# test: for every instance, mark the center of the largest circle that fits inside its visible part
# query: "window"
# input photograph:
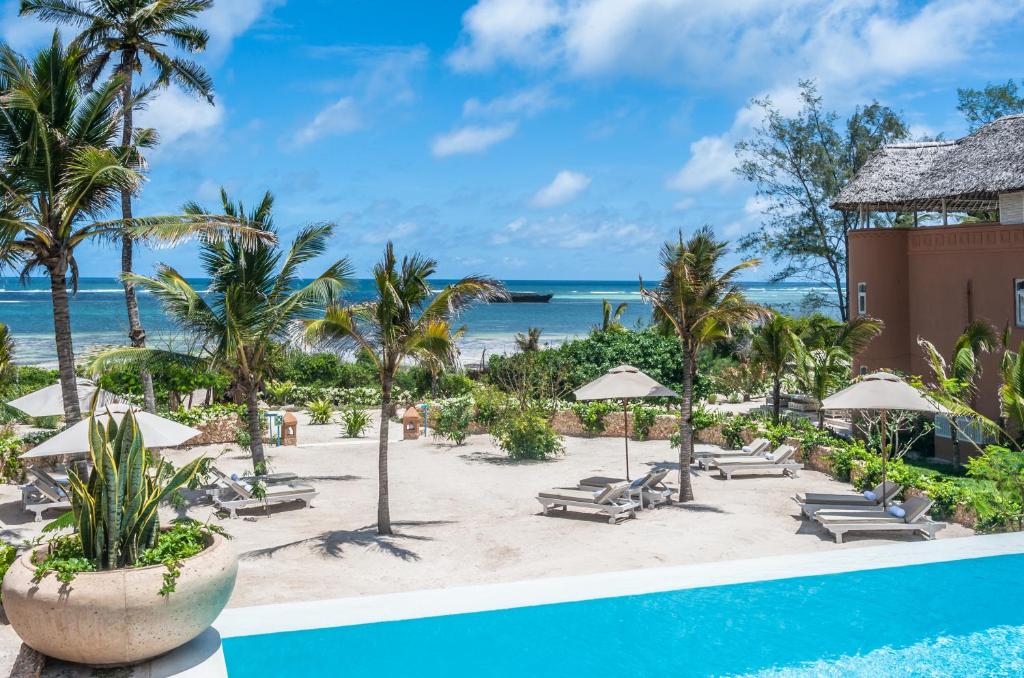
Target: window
(968, 429)
(1018, 299)
(863, 370)
(862, 299)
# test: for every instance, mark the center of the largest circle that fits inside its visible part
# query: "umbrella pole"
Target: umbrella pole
(625, 431)
(885, 499)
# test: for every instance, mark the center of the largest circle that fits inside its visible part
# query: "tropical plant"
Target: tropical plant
(453, 419)
(321, 411)
(133, 33)
(956, 381)
(404, 320)
(529, 341)
(773, 348)
(591, 414)
(61, 170)
(116, 508)
(252, 300)
(611, 319)
(527, 435)
(8, 554)
(7, 368)
(698, 303)
(354, 422)
(819, 372)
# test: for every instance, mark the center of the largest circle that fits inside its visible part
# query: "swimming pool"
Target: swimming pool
(963, 616)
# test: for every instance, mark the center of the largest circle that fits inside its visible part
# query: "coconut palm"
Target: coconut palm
(131, 34)
(59, 173)
(819, 371)
(530, 341)
(773, 347)
(253, 299)
(611, 319)
(6, 353)
(957, 378)
(402, 322)
(700, 303)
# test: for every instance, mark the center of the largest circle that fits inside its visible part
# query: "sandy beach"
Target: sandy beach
(466, 515)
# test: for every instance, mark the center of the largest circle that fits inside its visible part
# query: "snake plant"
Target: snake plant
(116, 508)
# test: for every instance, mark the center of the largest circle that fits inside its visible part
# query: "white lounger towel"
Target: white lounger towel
(915, 519)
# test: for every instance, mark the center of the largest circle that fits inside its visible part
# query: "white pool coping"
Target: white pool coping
(301, 616)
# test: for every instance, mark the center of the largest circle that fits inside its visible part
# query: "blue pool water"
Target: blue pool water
(957, 618)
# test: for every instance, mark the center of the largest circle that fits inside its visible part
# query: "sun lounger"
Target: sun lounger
(877, 520)
(220, 485)
(813, 502)
(756, 448)
(43, 493)
(650, 489)
(780, 460)
(609, 500)
(242, 495)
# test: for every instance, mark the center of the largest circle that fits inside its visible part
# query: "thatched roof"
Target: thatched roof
(968, 173)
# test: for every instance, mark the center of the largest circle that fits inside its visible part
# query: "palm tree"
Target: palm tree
(957, 378)
(611, 319)
(773, 348)
(699, 303)
(6, 353)
(253, 300)
(59, 172)
(132, 33)
(402, 322)
(819, 371)
(529, 341)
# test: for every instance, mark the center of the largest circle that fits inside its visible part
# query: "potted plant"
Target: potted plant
(120, 588)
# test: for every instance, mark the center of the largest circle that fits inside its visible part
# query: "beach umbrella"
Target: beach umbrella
(49, 401)
(74, 440)
(882, 392)
(624, 383)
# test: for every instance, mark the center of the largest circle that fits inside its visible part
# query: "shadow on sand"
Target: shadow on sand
(333, 542)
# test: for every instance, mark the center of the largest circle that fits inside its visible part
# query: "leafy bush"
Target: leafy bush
(643, 420)
(489, 405)
(326, 370)
(354, 422)
(453, 385)
(11, 469)
(170, 378)
(321, 411)
(703, 418)
(206, 413)
(591, 414)
(527, 435)
(361, 396)
(453, 419)
(8, 554)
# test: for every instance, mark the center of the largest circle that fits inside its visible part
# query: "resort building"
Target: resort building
(932, 281)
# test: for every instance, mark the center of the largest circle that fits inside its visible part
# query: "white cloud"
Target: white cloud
(227, 19)
(527, 102)
(177, 115)
(728, 40)
(400, 230)
(565, 187)
(602, 229)
(710, 164)
(471, 139)
(341, 117)
(506, 30)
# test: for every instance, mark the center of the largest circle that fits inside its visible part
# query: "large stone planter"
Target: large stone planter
(118, 617)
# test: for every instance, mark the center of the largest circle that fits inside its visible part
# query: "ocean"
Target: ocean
(98, 314)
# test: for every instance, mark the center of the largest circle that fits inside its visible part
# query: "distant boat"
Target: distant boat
(522, 298)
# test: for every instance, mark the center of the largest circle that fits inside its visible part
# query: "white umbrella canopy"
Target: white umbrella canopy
(882, 392)
(624, 383)
(49, 401)
(156, 432)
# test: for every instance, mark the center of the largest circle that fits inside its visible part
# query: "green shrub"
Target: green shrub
(453, 419)
(8, 554)
(325, 370)
(703, 418)
(489, 405)
(643, 420)
(453, 385)
(591, 414)
(11, 469)
(354, 422)
(206, 413)
(277, 392)
(527, 435)
(321, 411)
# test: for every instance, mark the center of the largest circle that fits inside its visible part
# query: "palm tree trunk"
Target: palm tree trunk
(686, 432)
(136, 333)
(954, 438)
(776, 399)
(383, 507)
(259, 461)
(65, 347)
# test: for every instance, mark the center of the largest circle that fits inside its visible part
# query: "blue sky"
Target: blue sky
(531, 138)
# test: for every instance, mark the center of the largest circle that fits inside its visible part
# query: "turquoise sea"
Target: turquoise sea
(98, 315)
